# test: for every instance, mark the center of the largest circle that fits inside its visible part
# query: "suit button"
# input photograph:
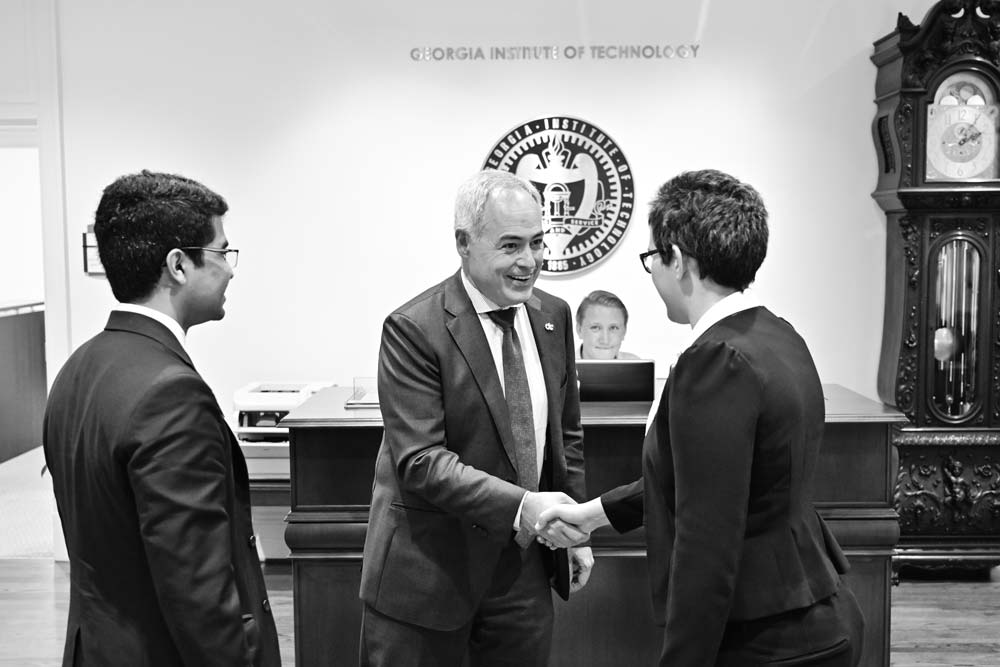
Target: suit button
(253, 540)
(267, 606)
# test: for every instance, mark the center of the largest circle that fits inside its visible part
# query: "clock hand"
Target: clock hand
(969, 137)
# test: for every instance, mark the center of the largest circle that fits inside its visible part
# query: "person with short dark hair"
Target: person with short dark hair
(477, 386)
(743, 569)
(601, 322)
(150, 483)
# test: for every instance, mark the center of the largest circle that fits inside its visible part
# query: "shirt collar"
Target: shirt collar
(480, 301)
(167, 321)
(720, 310)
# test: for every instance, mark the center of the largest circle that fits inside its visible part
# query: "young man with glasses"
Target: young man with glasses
(742, 569)
(150, 483)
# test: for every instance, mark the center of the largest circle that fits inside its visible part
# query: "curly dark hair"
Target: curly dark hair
(142, 217)
(715, 218)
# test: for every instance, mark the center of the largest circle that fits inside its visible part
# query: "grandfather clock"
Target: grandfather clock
(935, 132)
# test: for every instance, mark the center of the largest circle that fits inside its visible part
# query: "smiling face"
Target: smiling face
(205, 290)
(601, 332)
(504, 259)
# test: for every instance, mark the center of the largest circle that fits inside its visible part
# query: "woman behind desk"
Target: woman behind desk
(601, 321)
(742, 568)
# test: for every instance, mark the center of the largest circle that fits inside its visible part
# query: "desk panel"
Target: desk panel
(610, 621)
(333, 468)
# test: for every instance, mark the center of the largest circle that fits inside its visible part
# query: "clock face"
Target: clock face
(962, 142)
(962, 130)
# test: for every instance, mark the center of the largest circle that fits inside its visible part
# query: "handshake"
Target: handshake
(558, 521)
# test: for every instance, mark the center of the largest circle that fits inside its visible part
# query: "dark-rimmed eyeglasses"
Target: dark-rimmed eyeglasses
(646, 259)
(232, 254)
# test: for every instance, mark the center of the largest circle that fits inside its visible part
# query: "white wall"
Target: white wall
(21, 272)
(18, 62)
(340, 155)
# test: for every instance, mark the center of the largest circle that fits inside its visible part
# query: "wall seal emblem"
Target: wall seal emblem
(586, 185)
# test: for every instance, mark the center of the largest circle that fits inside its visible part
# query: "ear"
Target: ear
(175, 266)
(686, 264)
(677, 258)
(683, 261)
(462, 242)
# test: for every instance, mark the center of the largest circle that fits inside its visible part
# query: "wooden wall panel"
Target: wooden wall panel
(22, 382)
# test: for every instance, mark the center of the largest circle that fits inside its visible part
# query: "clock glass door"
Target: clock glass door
(956, 276)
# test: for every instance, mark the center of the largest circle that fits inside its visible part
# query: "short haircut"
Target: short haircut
(141, 217)
(600, 298)
(716, 219)
(475, 192)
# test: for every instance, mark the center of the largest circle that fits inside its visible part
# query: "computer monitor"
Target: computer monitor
(616, 379)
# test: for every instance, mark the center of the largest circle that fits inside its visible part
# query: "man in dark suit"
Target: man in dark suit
(150, 483)
(482, 432)
(743, 569)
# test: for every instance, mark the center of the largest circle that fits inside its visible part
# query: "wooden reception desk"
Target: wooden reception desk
(332, 460)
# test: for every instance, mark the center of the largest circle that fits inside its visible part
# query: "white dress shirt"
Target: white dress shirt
(718, 311)
(529, 351)
(532, 365)
(162, 318)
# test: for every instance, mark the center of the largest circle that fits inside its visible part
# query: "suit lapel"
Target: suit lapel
(551, 354)
(467, 331)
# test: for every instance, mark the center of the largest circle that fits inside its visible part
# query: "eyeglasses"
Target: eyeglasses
(232, 254)
(645, 258)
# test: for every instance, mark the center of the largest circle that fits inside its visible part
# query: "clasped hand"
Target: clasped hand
(552, 532)
(558, 521)
(544, 515)
(563, 525)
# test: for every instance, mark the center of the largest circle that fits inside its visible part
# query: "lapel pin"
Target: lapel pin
(549, 326)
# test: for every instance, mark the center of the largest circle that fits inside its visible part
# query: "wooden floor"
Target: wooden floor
(946, 623)
(34, 602)
(934, 623)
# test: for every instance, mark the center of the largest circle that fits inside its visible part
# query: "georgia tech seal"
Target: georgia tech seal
(585, 182)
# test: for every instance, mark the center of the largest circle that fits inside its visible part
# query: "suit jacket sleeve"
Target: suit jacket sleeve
(181, 475)
(412, 399)
(624, 506)
(713, 409)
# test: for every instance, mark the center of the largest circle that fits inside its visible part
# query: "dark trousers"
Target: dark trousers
(830, 633)
(512, 626)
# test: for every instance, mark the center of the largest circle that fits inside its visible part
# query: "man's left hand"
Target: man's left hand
(581, 563)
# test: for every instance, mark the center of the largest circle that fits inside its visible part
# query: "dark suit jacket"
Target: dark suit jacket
(727, 486)
(154, 499)
(445, 493)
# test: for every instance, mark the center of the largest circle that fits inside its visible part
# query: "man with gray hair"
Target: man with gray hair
(478, 390)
